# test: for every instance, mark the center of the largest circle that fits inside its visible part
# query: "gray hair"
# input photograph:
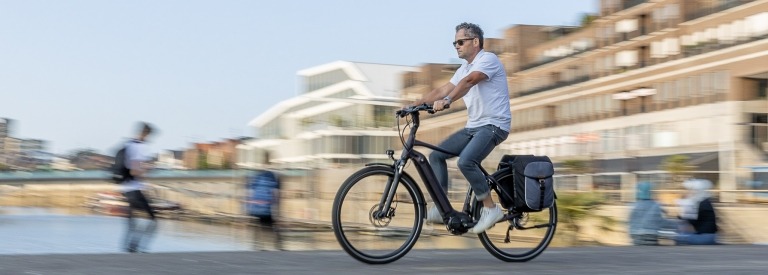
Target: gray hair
(472, 31)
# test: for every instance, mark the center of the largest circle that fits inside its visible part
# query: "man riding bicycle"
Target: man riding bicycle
(482, 83)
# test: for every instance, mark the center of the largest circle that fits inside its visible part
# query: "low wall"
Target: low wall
(310, 198)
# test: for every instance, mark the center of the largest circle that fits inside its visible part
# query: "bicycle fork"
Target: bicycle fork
(388, 195)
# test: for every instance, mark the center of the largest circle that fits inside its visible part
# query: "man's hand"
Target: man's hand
(440, 104)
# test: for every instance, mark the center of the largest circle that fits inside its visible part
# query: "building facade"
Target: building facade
(5, 129)
(214, 155)
(643, 81)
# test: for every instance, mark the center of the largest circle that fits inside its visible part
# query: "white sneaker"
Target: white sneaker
(667, 234)
(488, 218)
(433, 215)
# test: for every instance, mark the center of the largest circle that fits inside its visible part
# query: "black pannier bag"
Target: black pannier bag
(531, 187)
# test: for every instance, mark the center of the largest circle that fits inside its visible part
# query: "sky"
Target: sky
(80, 74)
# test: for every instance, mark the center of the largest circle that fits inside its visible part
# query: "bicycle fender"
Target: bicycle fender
(379, 164)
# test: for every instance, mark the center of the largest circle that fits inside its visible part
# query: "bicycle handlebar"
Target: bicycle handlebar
(422, 107)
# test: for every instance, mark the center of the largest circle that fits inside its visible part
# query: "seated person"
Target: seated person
(698, 224)
(646, 218)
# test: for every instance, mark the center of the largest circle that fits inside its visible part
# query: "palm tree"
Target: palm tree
(576, 208)
(587, 19)
(577, 166)
(678, 167)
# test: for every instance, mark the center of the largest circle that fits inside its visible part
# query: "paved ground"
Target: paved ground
(722, 259)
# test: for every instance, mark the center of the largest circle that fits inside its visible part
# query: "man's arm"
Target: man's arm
(434, 95)
(460, 90)
(138, 168)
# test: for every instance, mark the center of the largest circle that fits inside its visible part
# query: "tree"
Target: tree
(577, 166)
(576, 208)
(678, 167)
(81, 153)
(586, 19)
(202, 161)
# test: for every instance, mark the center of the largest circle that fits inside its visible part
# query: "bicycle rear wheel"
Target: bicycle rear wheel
(521, 238)
(363, 235)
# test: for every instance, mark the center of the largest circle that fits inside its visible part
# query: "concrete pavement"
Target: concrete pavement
(718, 259)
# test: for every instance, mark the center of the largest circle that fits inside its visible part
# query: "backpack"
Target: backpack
(531, 187)
(261, 196)
(119, 170)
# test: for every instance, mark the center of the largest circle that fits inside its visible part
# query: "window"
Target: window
(323, 80)
(671, 46)
(551, 115)
(626, 58)
(721, 82)
(599, 107)
(609, 106)
(670, 87)
(682, 91)
(758, 24)
(694, 87)
(608, 183)
(705, 84)
(608, 63)
(657, 50)
(658, 98)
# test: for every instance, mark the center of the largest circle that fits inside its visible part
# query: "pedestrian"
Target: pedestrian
(482, 83)
(264, 194)
(646, 218)
(698, 224)
(262, 205)
(139, 231)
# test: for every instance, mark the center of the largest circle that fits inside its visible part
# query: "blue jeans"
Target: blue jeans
(695, 239)
(686, 235)
(136, 238)
(472, 145)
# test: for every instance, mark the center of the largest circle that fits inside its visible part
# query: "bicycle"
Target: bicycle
(379, 211)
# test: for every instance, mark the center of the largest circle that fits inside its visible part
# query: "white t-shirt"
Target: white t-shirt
(134, 151)
(488, 101)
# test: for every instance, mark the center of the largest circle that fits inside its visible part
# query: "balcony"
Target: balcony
(553, 59)
(688, 51)
(703, 48)
(631, 3)
(559, 84)
(711, 10)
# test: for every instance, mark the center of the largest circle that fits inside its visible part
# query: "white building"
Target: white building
(343, 115)
(169, 159)
(62, 164)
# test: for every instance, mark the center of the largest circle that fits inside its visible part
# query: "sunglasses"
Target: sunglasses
(460, 42)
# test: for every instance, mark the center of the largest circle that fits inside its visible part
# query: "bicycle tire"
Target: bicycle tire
(369, 241)
(527, 245)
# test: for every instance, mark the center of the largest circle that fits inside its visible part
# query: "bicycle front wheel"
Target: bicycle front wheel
(360, 230)
(523, 237)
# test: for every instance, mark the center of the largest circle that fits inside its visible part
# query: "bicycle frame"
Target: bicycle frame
(425, 172)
